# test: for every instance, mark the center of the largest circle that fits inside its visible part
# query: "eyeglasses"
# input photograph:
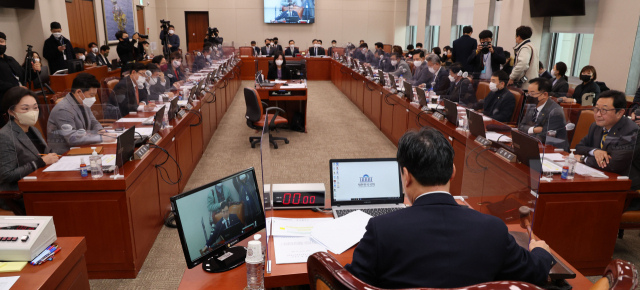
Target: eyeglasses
(597, 110)
(533, 94)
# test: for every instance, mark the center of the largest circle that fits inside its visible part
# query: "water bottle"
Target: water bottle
(255, 265)
(96, 164)
(83, 168)
(569, 167)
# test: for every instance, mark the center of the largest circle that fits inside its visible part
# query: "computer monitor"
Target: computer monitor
(370, 71)
(476, 124)
(125, 145)
(375, 180)
(451, 111)
(157, 120)
(526, 149)
(216, 216)
(408, 90)
(422, 97)
(173, 109)
(75, 65)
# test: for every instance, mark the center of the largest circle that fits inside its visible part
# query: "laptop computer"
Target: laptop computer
(422, 97)
(392, 82)
(408, 90)
(372, 185)
(476, 124)
(381, 77)
(526, 149)
(451, 111)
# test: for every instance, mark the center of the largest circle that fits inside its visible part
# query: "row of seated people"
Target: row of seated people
(271, 47)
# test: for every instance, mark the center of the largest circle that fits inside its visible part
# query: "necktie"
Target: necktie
(220, 196)
(535, 115)
(604, 137)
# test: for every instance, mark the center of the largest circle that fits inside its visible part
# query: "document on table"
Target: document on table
(182, 102)
(493, 136)
(280, 82)
(340, 234)
(553, 156)
(295, 227)
(550, 166)
(435, 106)
(72, 163)
(485, 118)
(588, 171)
(131, 120)
(7, 282)
(142, 131)
(291, 250)
(294, 86)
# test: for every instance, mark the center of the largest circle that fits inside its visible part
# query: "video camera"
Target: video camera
(142, 35)
(212, 31)
(164, 25)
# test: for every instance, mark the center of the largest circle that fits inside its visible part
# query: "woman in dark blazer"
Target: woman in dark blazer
(559, 81)
(22, 147)
(588, 77)
(278, 69)
(175, 69)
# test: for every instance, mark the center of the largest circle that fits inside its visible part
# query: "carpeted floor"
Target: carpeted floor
(336, 129)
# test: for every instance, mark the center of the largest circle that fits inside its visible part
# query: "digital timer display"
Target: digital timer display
(298, 199)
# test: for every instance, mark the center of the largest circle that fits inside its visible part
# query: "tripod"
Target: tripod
(28, 60)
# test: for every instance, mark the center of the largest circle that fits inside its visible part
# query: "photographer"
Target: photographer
(486, 59)
(173, 40)
(143, 48)
(212, 36)
(126, 48)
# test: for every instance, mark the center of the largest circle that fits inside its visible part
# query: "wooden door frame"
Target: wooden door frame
(186, 24)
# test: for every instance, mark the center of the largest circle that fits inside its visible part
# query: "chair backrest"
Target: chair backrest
(254, 106)
(483, 90)
(111, 84)
(387, 48)
(570, 92)
(189, 59)
(339, 50)
(518, 95)
(246, 51)
(234, 208)
(585, 120)
(325, 272)
(228, 50)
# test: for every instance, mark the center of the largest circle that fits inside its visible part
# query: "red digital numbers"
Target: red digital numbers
(286, 199)
(298, 198)
(297, 194)
(312, 199)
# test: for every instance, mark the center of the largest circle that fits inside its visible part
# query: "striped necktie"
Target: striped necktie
(535, 115)
(604, 137)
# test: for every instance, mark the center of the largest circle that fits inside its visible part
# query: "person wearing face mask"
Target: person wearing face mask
(446, 56)
(278, 69)
(440, 82)
(174, 39)
(526, 60)
(130, 92)
(35, 66)
(102, 58)
(158, 83)
(366, 56)
(331, 50)
(500, 102)
(125, 48)
(487, 58)
(538, 117)
(81, 54)
(143, 51)
(559, 83)
(93, 53)
(57, 49)
(256, 49)
(317, 49)
(276, 45)
(381, 61)
(267, 49)
(174, 70)
(203, 60)
(460, 89)
(74, 113)
(400, 67)
(587, 76)
(292, 50)
(421, 75)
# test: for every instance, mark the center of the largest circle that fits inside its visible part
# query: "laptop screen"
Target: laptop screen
(360, 181)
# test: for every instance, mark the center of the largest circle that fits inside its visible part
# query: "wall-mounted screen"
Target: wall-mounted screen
(554, 8)
(290, 11)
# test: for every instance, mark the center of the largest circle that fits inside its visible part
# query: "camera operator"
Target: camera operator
(173, 39)
(126, 48)
(212, 36)
(486, 59)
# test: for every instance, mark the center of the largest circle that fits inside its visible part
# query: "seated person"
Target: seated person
(267, 49)
(436, 243)
(381, 61)
(560, 86)
(440, 82)
(93, 53)
(447, 52)
(288, 12)
(317, 48)
(158, 83)
(228, 220)
(500, 102)
(410, 52)
(75, 111)
(130, 91)
(588, 77)
(366, 56)
(543, 73)
(143, 47)
(174, 70)
(421, 75)
(81, 53)
(255, 49)
(331, 50)
(380, 46)
(278, 69)
(220, 193)
(291, 50)
(203, 60)
(21, 144)
(246, 189)
(538, 118)
(612, 139)
(460, 89)
(102, 58)
(399, 67)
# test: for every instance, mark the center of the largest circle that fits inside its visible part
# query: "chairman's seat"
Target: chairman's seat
(256, 116)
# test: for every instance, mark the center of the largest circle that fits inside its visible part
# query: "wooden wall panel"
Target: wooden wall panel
(197, 24)
(82, 23)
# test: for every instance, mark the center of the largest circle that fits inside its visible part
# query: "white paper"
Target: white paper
(280, 82)
(268, 227)
(142, 131)
(131, 120)
(550, 166)
(553, 156)
(588, 171)
(485, 118)
(182, 103)
(294, 86)
(295, 227)
(340, 234)
(435, 106)
(291, 250)
(493, 136)
(72, 163)
(7, 282)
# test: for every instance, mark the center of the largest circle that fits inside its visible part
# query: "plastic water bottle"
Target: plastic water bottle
(96, 164)
(83, 168)
(255, 265)
(569, 167)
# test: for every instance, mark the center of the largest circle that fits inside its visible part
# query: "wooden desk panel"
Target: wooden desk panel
(376, 107)
(386, 116)
(400, 119)
(220, 104)
(184, 156)
(366, 103)
(165, 190)
(60, 83)
(318, 69)
(248, 65)
(144, 210)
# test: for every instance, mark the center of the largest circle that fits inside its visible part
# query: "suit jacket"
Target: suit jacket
(384, 64)
(125, 51)
(54, 56)
(91, 57)
(551, 117)
(156, 90)
(273, 72)
(220, 227)
(368, 57)
(288, 51)
(312, 51)
(68, 111)
(499, 105)
(20, 156)
(101, 60)
(9, 69)
(476, 60)
(581, 89)
(330, 51)
(442, 82)
(272, 51)
(200, 62)
(422, 75)
(125, 96)
(621, 144)
(546, 75)
(560, 88)
(462, 48)
(256, 50)
(462, 92)
(213, 202)
(174, 75)
(402, 68)
(437, 243)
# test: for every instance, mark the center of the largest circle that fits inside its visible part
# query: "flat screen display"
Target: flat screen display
(359, 180)
(549, 8)
(290, 11)
(25, 4)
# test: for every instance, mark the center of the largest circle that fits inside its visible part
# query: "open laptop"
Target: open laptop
(392, 82)
(381, 77)
(451, 111)
(526, 149)
(422, 97)
(371, 185)
(476, 124)
(408, 90)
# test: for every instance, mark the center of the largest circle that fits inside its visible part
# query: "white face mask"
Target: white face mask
(171, 31)
(28, 119)
(334, 45)
(452, 79)
(95, 50)
(432, 70)
(493, 87)
(316, 45)
(36, 59)
(553, 72)
(153, 80)
(141, 80)
(82, 57)
(382, 56)
(417, 63)
(278, 62)
(292, 47)
(394, 62)
(176, 63)
(364, 50)
(57, 34)
(88, 102)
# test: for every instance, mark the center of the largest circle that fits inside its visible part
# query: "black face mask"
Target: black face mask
(3, 48)
(125, 40)
(532, 100)
(585, 78)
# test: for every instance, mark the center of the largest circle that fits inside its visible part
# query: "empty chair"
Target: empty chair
(256, 116)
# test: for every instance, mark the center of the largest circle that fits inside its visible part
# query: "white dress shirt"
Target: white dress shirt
(430, 192)
(537, 114)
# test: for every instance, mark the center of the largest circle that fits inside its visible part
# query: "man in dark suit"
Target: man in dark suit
(317, 49)
(366, 56)
(130, 92)
(381, 61)
(612, 139)
(440, 82)
(437, 243)
(274, 43)
(331, 50)
(291, 50)
(463, 47)
(421, 75)
(228, 220)
(126, 47)
(487, 58)
(93, 52)
(203, 60)
(460, 89)
(500, 102)
(542, 114)
(57, 49)
(256, 49)
(267, 49)
(102, 58)
(543, 73)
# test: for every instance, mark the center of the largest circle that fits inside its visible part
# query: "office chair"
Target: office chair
(256, 118)
(325, 272)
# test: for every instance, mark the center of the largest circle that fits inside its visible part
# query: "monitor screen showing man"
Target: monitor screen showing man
(289, 11)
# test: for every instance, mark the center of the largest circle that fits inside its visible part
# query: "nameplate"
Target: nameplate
(181, 114)
(141, 152)
(189, 107)
(482, 141)
(155, 139)
(506, 155)
(438, 116)
(30, 178)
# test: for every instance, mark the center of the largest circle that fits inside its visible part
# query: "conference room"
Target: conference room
(272, 144)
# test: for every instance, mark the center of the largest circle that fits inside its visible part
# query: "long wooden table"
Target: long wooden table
(121, 218)
(68, 270)
(578, 218)
(318, 68)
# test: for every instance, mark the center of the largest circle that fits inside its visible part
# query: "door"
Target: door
(82, 23)
(197, 24)
(140, 15)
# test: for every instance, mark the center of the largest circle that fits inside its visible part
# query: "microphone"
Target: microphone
(148, 73)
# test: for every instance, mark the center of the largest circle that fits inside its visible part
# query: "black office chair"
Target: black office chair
(256, 118)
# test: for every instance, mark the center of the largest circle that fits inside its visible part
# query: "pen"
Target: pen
(44, 253)
(49, 257)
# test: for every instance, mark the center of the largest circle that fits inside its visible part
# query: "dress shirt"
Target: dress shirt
(430, 192)
(591, 153)
(537, 114)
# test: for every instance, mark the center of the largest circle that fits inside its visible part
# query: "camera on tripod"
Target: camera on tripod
(212, 31)
(145, 36)
(164, 25)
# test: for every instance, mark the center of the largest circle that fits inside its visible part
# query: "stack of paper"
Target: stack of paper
(340, 234)
(294, 86)
(72, 163)
(291, 239)
(588, 171)
(493, 136)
